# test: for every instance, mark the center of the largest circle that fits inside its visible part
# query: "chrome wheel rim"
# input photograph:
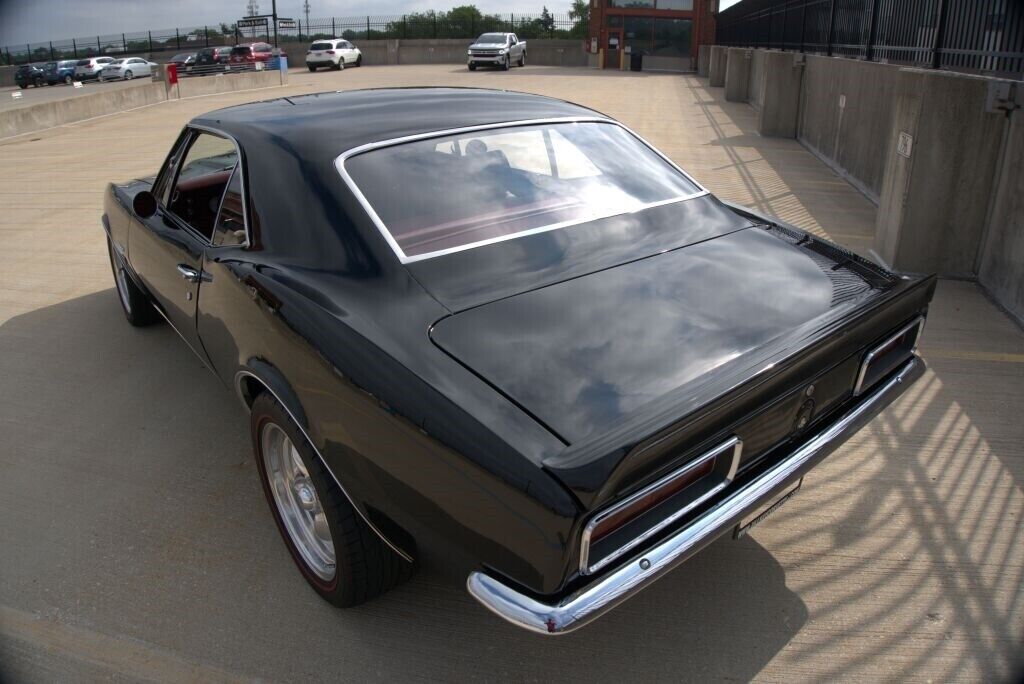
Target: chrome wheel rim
(297, 502)
(122, 289)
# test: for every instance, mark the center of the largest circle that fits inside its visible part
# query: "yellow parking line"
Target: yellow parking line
(964, 355)
(134, 659)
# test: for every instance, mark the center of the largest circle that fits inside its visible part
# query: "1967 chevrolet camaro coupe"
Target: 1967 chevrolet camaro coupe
(502, 332)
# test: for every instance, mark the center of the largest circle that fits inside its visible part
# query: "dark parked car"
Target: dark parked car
(502, 332)
(30, 74)
(60, 72)
(184, 61)
(213, 55)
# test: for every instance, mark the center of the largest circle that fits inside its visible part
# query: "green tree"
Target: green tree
(580, 15)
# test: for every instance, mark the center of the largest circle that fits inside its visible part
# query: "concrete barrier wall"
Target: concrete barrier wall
(194, 86)
(945, 168)
(7, 76)
(1002, 262)
(846, 112)
(546, 52)
(21, 120)
(48, 114)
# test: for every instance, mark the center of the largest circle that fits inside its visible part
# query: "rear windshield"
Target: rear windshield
(492, 38)
(240, 50)
(479, 187)
(321, 46)
(84, 62)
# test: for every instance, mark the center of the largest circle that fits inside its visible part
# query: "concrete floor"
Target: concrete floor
(135, 544)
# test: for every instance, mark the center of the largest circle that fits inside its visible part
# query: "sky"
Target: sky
(30, 21)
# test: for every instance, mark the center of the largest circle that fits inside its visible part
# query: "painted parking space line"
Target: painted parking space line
(127, 657)
(964, 355)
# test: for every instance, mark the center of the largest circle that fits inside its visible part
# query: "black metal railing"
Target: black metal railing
(455, 24)
(981, 36)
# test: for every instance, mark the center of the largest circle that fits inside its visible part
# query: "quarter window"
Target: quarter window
(203, 175)
(230, 228)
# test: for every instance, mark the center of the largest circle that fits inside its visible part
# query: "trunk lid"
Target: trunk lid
(608, 359)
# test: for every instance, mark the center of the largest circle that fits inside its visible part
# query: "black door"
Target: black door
(168, 253)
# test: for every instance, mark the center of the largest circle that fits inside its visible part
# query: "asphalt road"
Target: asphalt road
(33, 95)
(135, 543)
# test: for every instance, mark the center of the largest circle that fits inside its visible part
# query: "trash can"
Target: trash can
(636, 61)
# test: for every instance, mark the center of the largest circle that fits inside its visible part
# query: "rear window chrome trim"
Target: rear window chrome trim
(859, 388)
(734, 443)
(340, 160)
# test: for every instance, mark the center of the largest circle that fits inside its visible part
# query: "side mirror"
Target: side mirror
(144, 204)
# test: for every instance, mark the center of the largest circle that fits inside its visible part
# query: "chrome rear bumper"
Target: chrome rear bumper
(594, 600)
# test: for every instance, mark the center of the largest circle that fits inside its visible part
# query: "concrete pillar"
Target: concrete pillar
(939, 173)
(780, 101)
(1002, 261)
(716, 65)
(703, 60)
(737, 75)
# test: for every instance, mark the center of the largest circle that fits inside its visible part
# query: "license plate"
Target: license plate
(775, 503)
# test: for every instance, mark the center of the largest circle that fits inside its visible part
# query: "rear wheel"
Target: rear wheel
(335, 550)
(311, 67)
(68, 79)
(359, 61)
(136, 306)
(128, 75)
(38, 82)
(522, 59)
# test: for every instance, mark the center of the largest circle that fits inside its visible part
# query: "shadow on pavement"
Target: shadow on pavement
(134, 505)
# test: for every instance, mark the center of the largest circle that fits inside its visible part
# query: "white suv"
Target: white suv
(91, 67)
(335, 53)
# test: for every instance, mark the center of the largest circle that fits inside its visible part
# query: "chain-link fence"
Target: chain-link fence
(453, 24)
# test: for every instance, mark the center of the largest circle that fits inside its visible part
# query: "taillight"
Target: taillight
(613, 521)
(625, 525)
(330, 52)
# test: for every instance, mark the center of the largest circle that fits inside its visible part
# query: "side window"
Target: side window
(230, 227)
(203, 175)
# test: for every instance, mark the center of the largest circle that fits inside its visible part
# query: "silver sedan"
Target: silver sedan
(127, 69)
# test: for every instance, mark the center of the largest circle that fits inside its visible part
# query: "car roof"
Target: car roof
(324, 125)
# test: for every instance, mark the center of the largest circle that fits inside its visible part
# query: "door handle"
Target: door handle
(192, 275)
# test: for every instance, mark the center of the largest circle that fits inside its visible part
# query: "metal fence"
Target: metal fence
(982, 36)
(188, 39)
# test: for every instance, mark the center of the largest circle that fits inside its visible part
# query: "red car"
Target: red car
(247, 53)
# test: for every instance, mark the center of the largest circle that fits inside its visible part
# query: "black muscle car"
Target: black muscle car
(502, 332)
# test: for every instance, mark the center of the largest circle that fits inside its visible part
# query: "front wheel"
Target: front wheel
(472, 66)
(507, 64)
(136, 306)
(311, 68)
(334, 548)
(128, 75)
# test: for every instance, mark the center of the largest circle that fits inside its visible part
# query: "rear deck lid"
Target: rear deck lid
(584, 353)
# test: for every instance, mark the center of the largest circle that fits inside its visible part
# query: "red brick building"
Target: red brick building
(667, 32)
